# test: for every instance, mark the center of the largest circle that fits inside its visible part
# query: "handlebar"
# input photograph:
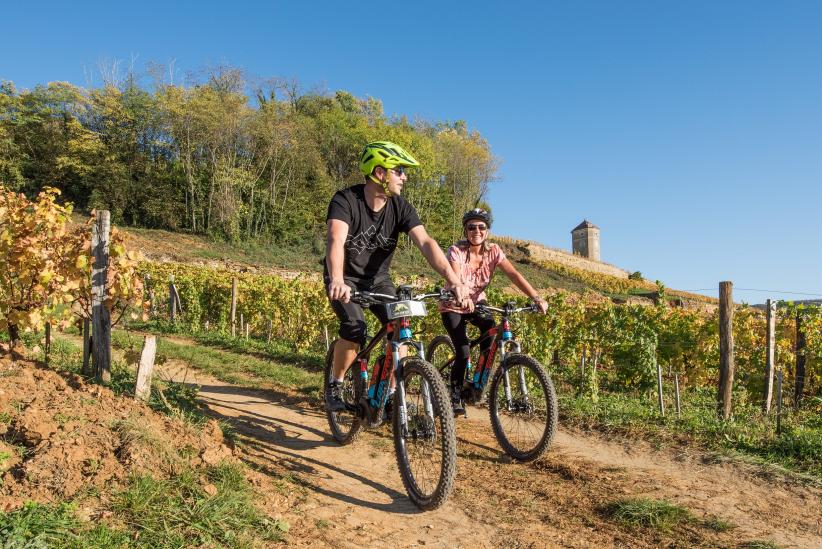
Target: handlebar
(507, 309)
(373, 297)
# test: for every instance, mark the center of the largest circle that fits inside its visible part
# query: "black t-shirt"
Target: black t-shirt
(372, 236)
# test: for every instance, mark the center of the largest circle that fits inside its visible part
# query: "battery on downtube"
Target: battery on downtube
(375, 392)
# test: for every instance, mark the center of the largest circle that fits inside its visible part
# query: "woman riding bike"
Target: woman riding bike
(474, 260)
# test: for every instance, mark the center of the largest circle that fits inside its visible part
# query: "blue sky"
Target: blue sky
(689, 132)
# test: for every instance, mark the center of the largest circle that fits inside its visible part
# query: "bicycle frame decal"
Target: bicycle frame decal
(485, 361)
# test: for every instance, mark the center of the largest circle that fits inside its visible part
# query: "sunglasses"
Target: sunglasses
(399, 170)
(476, 227)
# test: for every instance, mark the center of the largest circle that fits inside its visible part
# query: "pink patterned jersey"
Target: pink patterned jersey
(476, 279)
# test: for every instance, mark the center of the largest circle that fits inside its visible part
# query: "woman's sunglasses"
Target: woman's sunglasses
(399, 170)
(476, 227)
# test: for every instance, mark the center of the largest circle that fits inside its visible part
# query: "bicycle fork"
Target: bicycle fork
(400, 400)
(506, 379)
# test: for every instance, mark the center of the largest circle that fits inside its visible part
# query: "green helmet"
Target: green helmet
(386, 154)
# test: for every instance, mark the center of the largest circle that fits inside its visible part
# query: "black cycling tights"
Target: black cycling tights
(455, 326)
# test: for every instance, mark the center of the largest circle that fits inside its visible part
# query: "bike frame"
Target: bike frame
(504, 342)
(380, 373)
(508, 346)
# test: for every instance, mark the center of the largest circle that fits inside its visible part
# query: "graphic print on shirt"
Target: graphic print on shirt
(366, 241)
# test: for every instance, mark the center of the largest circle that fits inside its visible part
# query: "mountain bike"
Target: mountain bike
(419, 408)
(521, 398)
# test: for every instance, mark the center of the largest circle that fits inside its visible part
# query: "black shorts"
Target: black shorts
(351, 315)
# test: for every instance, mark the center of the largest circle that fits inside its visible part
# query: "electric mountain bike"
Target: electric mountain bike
(521, 398)
(419, 408)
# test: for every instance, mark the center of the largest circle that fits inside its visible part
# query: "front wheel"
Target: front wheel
(523, 407)
(345, 425)
(424, 434)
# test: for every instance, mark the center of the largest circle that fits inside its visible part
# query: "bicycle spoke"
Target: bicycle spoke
(345, 425)
(424, 455)
(523, 410)
(426, 450)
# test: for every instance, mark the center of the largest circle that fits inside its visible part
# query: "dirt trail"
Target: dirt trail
(356, 490)
(353, 496)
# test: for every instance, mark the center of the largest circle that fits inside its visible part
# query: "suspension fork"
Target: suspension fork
(505, 373)
(399, 393)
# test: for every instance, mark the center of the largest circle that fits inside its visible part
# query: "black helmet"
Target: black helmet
(477, 213)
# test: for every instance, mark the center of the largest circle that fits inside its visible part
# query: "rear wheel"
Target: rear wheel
(440, 354)
(424, 436)
(523, 407)
(345, 425)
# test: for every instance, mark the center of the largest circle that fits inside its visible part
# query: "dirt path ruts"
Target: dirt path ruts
(355, 496)
(356, 490)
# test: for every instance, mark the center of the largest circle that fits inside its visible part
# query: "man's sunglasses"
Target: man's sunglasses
(476, 227)
(399, 170)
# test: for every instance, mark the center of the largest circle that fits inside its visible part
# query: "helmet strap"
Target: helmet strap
(383, 184)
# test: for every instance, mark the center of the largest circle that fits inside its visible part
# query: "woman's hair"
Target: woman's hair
(464, 244)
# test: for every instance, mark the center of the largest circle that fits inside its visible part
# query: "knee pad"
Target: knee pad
(354, 330)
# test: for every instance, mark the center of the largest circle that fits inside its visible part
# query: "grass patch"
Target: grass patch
(275, 350)
(151, 513)
(36, 525)
(748, 433)
(133, 432)
(759, 544)
(179, 512)
(718, 525)
(231, 366)
(648, 513)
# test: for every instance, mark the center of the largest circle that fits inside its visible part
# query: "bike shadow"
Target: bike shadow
(231, 404)
(283, 442)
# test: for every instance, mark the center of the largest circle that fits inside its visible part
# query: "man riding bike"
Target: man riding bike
(475, 260)
(364, 223)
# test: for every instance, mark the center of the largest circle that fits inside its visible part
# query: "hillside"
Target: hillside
(537, 263)
(82, 465)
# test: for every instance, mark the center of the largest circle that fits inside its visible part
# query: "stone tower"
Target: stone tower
(585, 240)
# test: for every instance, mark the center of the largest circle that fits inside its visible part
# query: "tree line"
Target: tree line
(224, 156)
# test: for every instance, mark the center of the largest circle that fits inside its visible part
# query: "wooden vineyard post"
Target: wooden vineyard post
(100, 315)
(172, 302)
(770, 341)
(142, 389)
(234, 307)
(676, 394)
(47, 350)
(327, 341)
(86, 348)
(799, 384)
(270, 327)
(779, 403)
(659, 387)
(726, 349)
